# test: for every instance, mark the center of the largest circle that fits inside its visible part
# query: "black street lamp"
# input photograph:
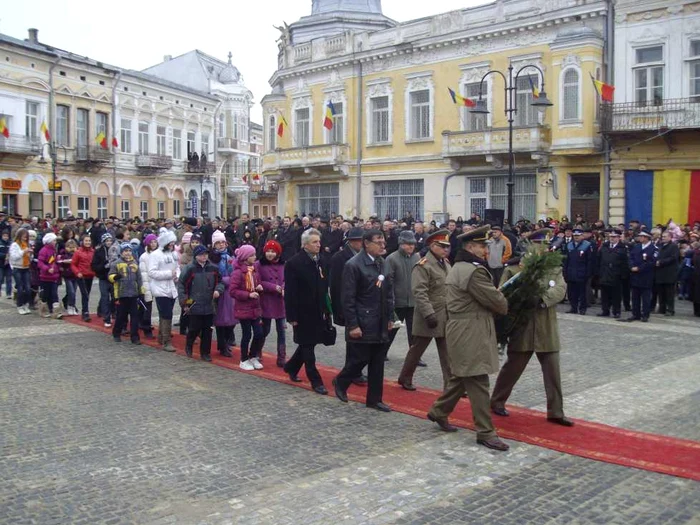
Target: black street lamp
(511, 109)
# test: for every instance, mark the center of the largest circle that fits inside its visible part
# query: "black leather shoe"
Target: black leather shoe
(293, 378)
(603, 314)
(563, 421)
(616, 316)
(380, 406)
(629, 319)
(188, 350)
(444, 424)
(500, 412)
(360, 381)
(645, 319)
(572, 311)
(226, 353)
(582, 312)
(206, 357)
(320, 389)
(494, 444)
(421, 363)
(340, 394)
(136, 342)
(407, 386)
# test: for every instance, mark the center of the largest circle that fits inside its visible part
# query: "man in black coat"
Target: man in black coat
(642, 263)
(368, 305)
(612, 266)
(578, 268)
(305, 291)
(666, 274)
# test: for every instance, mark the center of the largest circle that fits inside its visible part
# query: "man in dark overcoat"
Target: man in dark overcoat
(612, 267)
(666, 274)
(578, 269)
(642, 263)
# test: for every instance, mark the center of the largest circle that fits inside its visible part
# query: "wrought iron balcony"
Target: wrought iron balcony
(154, 162)
(200, 167)
(27, 146)
(308, 159)
(494, 141)
(92, 155)
(669, 113)
(228, 143)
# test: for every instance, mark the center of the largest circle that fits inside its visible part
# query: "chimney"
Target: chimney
(167, 58)
(33, 35)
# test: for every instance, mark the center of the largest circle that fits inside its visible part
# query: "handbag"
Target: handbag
(329, 333)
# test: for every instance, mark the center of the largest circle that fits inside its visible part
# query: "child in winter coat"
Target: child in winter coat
(125, 276)
(49, 275)
(186, 258)
(5, 269)
(81, 266)
(224, 320)
(150, 244)
(245, 288)
(65, 257)
(271, 271)
(21, 254)
(100, 265)
(199, 285)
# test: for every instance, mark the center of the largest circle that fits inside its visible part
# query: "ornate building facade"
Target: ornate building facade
(399, 143)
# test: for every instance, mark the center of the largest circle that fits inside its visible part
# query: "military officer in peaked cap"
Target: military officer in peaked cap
(472, 301)
(539, 335)
(430, 313)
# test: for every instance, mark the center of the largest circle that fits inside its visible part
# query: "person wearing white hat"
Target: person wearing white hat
(642, 262)
(49, 275)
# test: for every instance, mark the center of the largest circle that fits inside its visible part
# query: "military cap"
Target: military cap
(480, 235)
(355, 234)
(441, 237)
(615, 232)
(541, 235)
(578, 231)
(645, 233)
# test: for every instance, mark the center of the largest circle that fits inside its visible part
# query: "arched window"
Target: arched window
(570, 95)
(272, 134)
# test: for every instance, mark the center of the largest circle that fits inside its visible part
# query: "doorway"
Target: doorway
(585, 196)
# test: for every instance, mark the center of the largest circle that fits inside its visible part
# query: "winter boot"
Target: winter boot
(57, 311)
(160, 331)
(281, 355)
(167, 335)
(44, 310)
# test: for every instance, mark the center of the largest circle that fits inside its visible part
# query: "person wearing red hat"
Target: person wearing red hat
(271, 271)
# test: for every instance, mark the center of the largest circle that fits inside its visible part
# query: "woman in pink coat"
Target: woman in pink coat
(245, 288)
(271, 271)
(49, 275)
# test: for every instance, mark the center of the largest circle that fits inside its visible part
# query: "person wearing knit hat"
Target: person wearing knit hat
(271, 271)
(224, 320)
(218, 236)
(49, 275)
(125, 276)
(186, 238)
(245, 288)
(163, 271)
(106, 237)
(150, 244)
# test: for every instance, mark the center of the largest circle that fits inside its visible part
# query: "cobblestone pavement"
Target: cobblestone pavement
(95, 432)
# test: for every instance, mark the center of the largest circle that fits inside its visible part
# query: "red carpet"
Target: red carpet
(666, 455)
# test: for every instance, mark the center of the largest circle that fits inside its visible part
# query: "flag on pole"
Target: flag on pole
(101, 139)
(330, 113)
(534, 88)
(115, 142)
(245, 179)
(4, 130)
(45, 131)
(460, 100)
(606, 91)
(283, 124)
(256, 177)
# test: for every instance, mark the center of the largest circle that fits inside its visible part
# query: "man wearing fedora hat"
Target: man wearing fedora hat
(472, 301)
(642, 262)
(401, 264)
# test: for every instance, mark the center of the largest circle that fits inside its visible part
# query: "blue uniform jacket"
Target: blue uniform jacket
(645, 260)
(578, 264)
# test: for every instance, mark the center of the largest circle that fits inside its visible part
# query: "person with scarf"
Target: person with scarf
(21, 254)
(81, 266)
(224, 320)
(49, 275)
(65, 257)
(271, 271)
(245, 288)
(100, 265)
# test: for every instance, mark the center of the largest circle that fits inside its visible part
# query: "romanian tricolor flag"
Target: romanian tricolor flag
(45, 131)
(101, 139)
(256, 177)
(460, 100)
(330, 113)
(283, 124)
(606, 91)
(115, 142)
(654, 197)
(4, 130)
(534, 88)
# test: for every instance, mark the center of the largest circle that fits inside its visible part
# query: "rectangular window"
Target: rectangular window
(694, 66)
(9, 204)
(222, 126)
(126, 209)
(125, 137)
(491, 192)
(527, 113)
(63, 203)
(36, 204)
(143, 138)
(302, 127)
(205, 145)
(161, 209)
(176, 208)
(82, 128)
(235, 125)
(396, 198)
(318, 198)
(32, 120)
(83, 207)
(144, 210)
(380, 120)
(62, 125)
(272, 133)
(649, 76)
(474, 121)
(420, 114)
(101, 207)
(570, 95)
(335, 135)
(190, 143)
(102, 124)
(177, 144)
(160, 140)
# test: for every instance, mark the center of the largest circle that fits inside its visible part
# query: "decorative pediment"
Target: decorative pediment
(103, 98)
(35, 83)
(417, 82)
(379, 88)
(301, 102)
(334, 82)
(86, 94)
(65, 90)
(472, 73)
(571, 60)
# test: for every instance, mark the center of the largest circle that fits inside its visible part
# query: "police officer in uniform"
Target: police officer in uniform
(642, 264)
(430, 313)
(472, 301)
(578, 269)
(612, 266)
(540, 335)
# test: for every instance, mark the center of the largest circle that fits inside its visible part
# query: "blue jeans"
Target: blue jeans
(23, 285)
(85, 286)
(6, 277)
(106, 306)
(71, 285)
(280, 327)
(251, 327)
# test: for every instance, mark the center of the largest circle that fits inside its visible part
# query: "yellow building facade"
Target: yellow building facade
(400, 144)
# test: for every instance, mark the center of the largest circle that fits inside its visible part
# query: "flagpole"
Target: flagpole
(291, 133)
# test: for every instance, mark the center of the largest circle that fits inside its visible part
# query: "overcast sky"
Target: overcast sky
(136, 34)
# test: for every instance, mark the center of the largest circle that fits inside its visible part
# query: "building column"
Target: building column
(616, 206)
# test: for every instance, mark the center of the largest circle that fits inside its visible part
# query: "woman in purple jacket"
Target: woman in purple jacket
(49, 275)
(224, 321)
(271, 271)
(245, 288)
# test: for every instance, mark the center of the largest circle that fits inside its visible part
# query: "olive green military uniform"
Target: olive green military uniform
(428, 287)
(472, 301)
(541, 336)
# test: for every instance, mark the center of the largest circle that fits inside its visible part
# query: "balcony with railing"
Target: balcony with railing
(651, 116)
(228, 143)
(92, 155)
(26, 146)
(326, 156)
(494, 141)
(198, 167)
(154, 162)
